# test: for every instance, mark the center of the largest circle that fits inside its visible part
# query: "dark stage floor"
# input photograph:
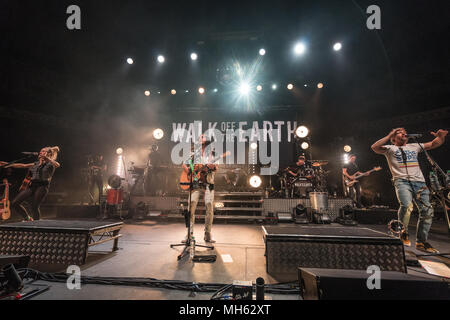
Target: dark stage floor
(145, 252)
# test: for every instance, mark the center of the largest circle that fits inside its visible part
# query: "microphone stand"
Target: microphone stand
(188, 220)
(15, 161)
(440, 192)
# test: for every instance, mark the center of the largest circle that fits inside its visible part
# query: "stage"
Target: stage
(144, 252)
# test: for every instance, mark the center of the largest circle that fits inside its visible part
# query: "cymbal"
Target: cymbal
(318, 163)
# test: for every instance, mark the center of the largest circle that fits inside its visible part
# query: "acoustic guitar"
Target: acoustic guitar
(350, 183)
(26, 182)
(198, 172)
(5, 210)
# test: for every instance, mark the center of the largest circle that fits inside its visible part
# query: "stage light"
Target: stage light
(194, 56)
(253, 145)
(255, 181)
(219, 204)
(244, 88)
(346, 158)
(262, 52)
(274, 87)
(147, 93)
(259, 87)
(320, 85)
(337, 46)
(186, 91)
(215, 90)
(302, 132)
(119, 151)
(161, 59)
(201, 90)
(305, 85)
(173, 92)
(130, 61)
(305, 145)
(290, 86)
(347, 148)
(158, 134)
(299, 48)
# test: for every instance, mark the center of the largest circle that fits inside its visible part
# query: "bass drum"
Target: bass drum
(114, 196)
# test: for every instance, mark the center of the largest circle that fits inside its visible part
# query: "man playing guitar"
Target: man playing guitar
(349, 172)
(200, 164)
(36, 188)
(97, 167)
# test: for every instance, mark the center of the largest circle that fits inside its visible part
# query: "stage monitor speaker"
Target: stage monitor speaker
(339, 284)
(375, 215)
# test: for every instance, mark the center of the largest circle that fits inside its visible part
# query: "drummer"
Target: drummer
(302, 168)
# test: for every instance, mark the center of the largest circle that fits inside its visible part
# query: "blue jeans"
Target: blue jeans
(407, 192)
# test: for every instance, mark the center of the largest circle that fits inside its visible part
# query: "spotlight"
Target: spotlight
(194, 56)
(299, 48)
(305, 85)
(119, 151)
(347, 148)
(337, 46)
(253, 145)
(161, 59)
(244, 88)
(201, 90)
(262, 52)
(320, 85)
(219, 205)
(259, 87)
(346, 158)
(255, 181)
(274, 87)
(302, 132)
(305, 145)
(290, 86)
(130, 61)
(158, 134)
(173, 92)
(186, 91)
(147, 93)
(215, 90)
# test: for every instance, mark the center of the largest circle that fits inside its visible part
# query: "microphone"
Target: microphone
(260, 289)
(414, 135)
(30, 153)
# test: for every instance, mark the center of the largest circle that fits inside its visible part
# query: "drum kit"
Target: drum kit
(310, 179)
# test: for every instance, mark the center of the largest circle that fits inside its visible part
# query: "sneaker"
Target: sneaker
(405, 239)
(425, 246)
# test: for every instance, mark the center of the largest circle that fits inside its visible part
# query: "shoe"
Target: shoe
(425, 246)
(208, 237)
(405, 239)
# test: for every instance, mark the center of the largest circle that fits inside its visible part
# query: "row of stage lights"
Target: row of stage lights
(299, 49)
(244, 89)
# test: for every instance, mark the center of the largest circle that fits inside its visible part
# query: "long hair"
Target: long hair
(52, 152)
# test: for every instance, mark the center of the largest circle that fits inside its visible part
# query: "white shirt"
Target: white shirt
(401, 170)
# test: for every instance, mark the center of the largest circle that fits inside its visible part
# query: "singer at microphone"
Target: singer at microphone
(414, 135)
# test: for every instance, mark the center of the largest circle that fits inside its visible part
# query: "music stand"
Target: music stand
(187, 218)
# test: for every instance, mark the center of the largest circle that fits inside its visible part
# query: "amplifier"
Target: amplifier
(375, 216)
(19, 262)
(338, 284)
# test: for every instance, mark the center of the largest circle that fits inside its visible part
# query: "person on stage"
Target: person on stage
(300, 167)
(349, 171)
(203, 180)
(98, 167)
(41, 175)
(409, 182)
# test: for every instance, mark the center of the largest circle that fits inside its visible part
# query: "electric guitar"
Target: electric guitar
(198, 172)
(5, 210)
(350, 183)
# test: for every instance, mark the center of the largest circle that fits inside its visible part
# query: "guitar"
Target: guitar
(350, 183)
(26, 182)
(5, 211)
(199, 172)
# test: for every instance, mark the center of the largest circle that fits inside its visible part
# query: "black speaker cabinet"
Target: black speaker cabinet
(338, 284)
(375, 216)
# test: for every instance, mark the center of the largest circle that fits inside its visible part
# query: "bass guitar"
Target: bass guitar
(350, 183)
